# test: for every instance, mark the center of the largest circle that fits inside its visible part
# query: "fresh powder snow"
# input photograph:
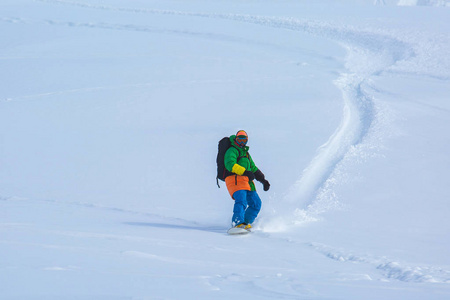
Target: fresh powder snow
(110, 115)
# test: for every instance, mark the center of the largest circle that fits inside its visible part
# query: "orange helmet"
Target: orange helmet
(242, 132)
(241, 138)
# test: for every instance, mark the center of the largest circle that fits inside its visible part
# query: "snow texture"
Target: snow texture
(110, 114)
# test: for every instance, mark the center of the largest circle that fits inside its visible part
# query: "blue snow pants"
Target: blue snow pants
(247, 205)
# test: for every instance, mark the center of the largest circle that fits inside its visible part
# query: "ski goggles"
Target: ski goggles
(241, 140)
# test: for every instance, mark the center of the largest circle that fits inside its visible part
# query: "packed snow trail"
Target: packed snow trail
(369, 54)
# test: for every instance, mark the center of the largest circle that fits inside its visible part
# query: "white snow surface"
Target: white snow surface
(110, 114)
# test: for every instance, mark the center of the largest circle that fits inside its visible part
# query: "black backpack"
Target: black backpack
(222, 172)
(224, 144)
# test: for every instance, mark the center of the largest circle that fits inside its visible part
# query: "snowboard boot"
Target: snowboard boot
(244, 226)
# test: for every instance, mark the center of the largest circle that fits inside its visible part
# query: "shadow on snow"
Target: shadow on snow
(217, 229)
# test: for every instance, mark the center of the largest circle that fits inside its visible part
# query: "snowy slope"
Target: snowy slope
(110, 113)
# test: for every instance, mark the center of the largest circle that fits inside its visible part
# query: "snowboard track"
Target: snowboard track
(388, 268)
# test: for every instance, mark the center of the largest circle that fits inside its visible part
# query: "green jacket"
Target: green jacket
(241, 157)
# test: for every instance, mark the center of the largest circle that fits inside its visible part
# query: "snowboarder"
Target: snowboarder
(240, 173)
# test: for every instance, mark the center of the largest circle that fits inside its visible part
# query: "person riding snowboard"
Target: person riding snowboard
(240, 173)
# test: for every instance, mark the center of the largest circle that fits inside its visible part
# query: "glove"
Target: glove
(250, 175)
(261, 178)
(266, 185)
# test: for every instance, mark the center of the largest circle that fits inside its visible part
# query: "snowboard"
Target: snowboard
(235, 231)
